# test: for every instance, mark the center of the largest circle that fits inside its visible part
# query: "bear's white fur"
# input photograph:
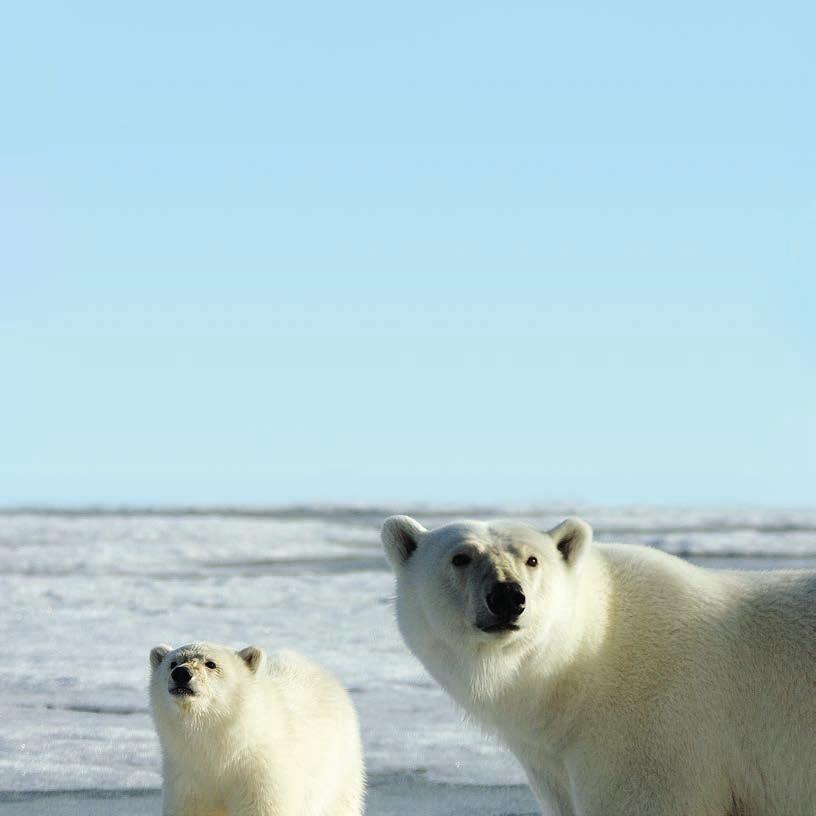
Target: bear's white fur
(632, 683)
(254, 736)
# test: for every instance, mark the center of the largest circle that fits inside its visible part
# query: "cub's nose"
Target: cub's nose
(506, 600)
(181, 675)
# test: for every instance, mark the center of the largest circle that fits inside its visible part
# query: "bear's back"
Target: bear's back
(727, 662)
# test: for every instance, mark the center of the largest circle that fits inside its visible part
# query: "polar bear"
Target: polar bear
(626, 681)
(246, 735)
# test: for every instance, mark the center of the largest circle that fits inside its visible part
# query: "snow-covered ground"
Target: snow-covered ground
(388, 795)
(83, 597)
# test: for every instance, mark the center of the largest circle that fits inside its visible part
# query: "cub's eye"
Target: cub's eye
(173, 665)
(209, 664)
(460, 560)
(532, 561)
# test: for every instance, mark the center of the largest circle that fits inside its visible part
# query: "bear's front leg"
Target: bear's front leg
(551, 790)
(178, 801)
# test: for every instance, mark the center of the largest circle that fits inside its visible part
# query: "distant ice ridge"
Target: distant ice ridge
(169, 541)
(84, 595)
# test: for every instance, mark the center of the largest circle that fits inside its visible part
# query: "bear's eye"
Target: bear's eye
(173, 665)
(460, 560)
(209, 664)
(532, 561)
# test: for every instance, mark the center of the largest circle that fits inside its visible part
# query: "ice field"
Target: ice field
(85, 595)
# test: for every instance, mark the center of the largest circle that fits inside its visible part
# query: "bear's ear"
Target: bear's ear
(157, 654)
(400, 536)
(253, 656)
(572, 537)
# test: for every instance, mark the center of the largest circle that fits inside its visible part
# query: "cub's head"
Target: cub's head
(201, 680)
(476, 585)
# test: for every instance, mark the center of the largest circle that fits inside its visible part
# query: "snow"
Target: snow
(84, 596)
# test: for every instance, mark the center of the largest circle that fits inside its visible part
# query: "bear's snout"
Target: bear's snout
(506, 600)
(181, 675)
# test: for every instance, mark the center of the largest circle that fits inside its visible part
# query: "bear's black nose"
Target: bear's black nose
(506, 600)
(181, 675)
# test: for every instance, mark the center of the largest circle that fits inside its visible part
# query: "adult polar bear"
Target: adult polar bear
(626, 681)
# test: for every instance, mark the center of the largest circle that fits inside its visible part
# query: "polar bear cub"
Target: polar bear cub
(626, 681)
(246, 735)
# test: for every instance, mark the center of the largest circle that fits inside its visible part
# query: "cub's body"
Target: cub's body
(254, 736)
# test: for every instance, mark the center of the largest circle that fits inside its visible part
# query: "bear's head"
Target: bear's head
(481, 588)
(203, 680)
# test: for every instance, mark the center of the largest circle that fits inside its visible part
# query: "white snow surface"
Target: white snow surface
(84, 595)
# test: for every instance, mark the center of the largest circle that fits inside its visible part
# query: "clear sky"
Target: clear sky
(488, 252)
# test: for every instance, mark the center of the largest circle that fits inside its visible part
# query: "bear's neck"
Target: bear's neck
(212, 732)
(537, 687)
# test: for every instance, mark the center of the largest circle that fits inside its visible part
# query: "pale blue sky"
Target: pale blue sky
(262, 253)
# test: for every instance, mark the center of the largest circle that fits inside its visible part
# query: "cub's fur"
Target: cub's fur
(245, 735)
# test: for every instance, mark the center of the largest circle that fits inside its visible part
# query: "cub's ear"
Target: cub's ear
(400, 536)
(157, 654)
(254, 657)
(572, 537)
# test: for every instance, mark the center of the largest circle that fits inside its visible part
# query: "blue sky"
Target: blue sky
(263, 253)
